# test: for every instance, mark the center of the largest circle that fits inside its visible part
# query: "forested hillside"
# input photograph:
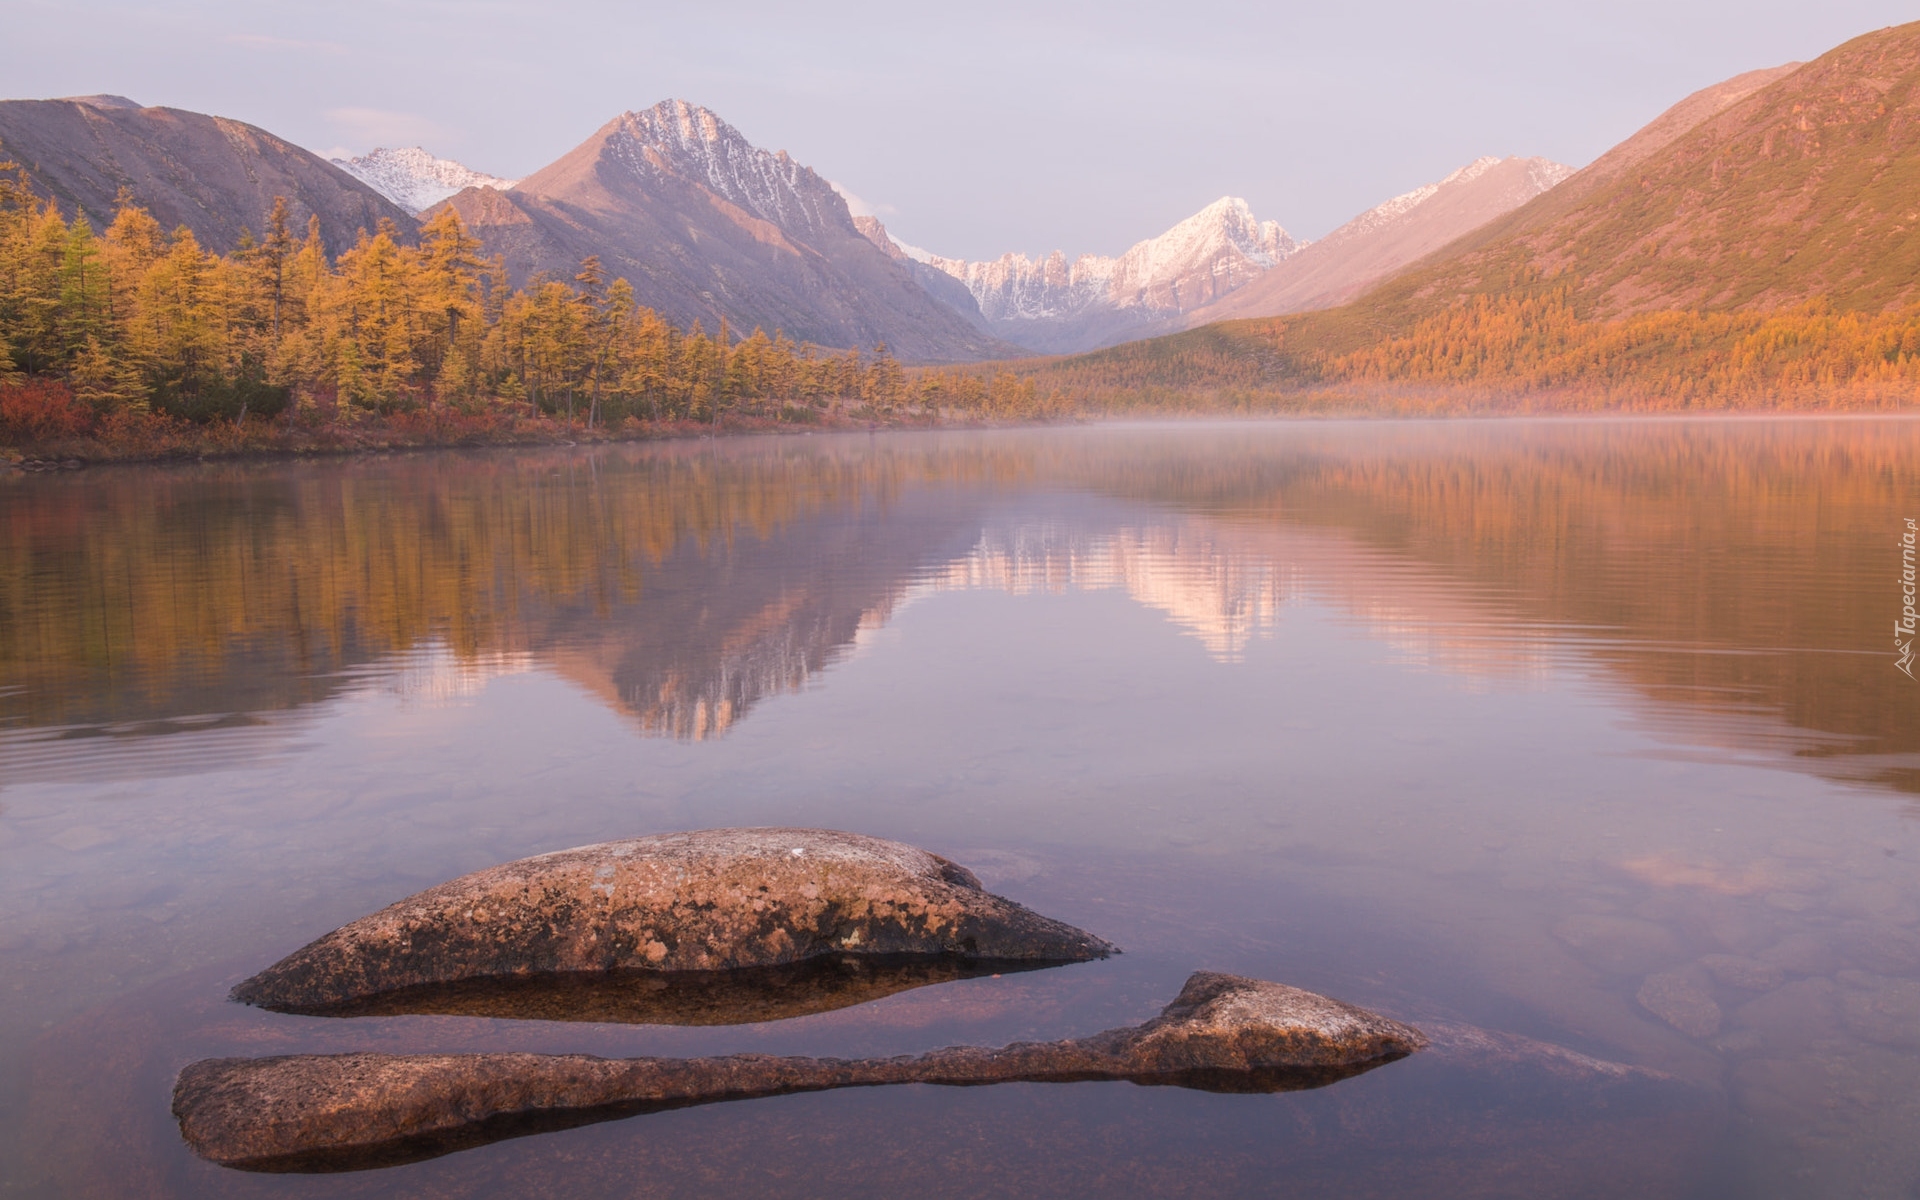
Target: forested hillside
(1528, 349)
(1758, 246)
(709, 227)
(1805, 189)
(133, 331)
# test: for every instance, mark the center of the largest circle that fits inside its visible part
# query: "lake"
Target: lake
(1587, 736)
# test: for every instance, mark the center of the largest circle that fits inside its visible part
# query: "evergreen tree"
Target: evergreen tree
(136, 318)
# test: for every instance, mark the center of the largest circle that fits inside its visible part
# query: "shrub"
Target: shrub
(40, 410)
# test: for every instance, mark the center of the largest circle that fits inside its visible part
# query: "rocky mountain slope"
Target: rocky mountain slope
(943, 287)
(1060, 306)
(1799, 187)
(210, 174)
(415, 179)
(1384, 239)
(708, 227)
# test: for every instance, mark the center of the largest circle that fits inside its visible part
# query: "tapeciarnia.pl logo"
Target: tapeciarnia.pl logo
(1903, 629)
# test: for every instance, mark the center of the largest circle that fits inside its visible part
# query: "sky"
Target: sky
(970, 128)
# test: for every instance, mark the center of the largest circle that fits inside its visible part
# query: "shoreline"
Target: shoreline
(207, 444)
(255, 443)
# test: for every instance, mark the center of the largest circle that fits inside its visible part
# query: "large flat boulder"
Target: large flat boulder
(330, 1112)
(672, 905)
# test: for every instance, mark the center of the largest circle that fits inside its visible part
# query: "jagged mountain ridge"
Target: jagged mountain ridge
(1388, 237)
(1060, 306)
(937, 283)
(415, 179)
(213, 175)
(708, 227)
(1208, 254)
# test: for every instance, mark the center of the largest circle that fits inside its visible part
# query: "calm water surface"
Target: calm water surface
(1584, 732)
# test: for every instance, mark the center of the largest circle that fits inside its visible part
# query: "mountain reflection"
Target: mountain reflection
(1730, 577)
(1206, 587)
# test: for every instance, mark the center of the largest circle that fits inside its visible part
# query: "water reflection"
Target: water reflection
(685, 585)
(1203, 585)
(1582, 731)
(738, 997)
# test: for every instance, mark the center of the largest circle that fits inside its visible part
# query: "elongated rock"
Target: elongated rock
(354, 1111)
(715, 900)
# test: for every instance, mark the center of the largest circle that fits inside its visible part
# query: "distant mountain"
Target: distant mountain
(210, 174)
(414, 179)
(105, 100)
(1756, 245)
(1773, 189)
(937, 283)
(1057, 306)
(1384, 239)
(707, 227)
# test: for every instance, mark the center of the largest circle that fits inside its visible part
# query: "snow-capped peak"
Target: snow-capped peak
(1541, 174)
(415, 179)
(1544, 174)
(1222, 243)
(1408, 201)
(682, 139)
(912, 251)
(1200, 259)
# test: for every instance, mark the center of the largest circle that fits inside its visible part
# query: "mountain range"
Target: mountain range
(1052, 304)
(1386, 238)
(708, 227)
(1219, 264)
(1756, 245)
(1768, 190)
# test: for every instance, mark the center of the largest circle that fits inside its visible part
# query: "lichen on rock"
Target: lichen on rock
(702, 902)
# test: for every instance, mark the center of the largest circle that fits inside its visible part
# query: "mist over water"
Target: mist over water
(1583, 731)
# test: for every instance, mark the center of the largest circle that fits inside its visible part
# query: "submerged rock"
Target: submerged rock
(1748, 974)
(353, 1111)
(710, 901)
(1543, 1081)
(1885, 1011)
(1681, 999)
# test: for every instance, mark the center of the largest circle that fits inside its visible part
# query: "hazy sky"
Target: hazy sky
(971, 127)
